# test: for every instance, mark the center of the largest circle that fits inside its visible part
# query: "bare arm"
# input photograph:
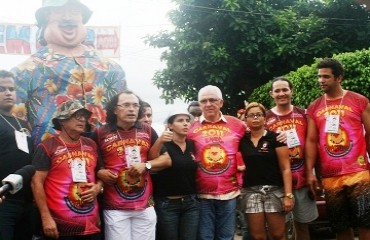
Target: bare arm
(48, 223)
(284, 164)
(312, 140)
(159, 163)
(366, 122)
(107, 176)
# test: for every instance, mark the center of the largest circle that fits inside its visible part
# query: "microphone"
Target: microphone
(14, 182)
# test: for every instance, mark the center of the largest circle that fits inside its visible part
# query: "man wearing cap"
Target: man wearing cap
(15, 152)
(64, 185)
(216, 137)
(64, 66)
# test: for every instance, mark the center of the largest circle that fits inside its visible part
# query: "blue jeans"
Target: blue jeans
(16, 219)
(217, 219)
(177, 218)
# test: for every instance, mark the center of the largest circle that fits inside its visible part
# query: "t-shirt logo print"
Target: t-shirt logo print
(264, 147)
(296, 157)
(215, 159)
(338, 144)
(74, 201)
(130, 187)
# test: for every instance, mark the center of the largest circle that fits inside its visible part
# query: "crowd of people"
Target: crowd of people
(102, 171)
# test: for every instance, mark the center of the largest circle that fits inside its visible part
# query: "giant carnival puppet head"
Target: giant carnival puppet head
(61, 22)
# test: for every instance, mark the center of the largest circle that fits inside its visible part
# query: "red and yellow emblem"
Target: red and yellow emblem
(338, 144)
(130, 187)
(214, 160)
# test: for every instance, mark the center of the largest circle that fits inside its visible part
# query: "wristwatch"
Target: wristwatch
(289, 195)
(148, 165)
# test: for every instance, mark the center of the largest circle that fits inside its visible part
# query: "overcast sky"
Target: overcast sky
(136, 19)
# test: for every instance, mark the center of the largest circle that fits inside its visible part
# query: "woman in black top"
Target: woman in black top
(267, 179)
(174, 188)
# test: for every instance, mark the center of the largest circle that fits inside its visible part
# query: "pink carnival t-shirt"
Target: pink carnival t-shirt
(343, 152)
(216, 145)
(128, 193)
(295, 119)
(72, 216)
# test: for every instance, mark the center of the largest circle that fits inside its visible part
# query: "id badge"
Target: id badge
(132, 155)
(292, 138)
(79, 170)
(332, 124)
(21, 140)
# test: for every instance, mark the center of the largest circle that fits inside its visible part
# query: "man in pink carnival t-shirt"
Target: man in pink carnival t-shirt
(216, 138)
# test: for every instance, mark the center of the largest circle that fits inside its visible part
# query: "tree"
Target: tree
(239, 45)
(306, 87)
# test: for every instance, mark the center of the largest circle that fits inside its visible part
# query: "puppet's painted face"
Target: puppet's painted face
(65, 26)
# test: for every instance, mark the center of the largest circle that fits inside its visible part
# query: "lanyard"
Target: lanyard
(20, 127)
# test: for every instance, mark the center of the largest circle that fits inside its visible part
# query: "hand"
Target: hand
(313, 184)
(50, 227)
(107, 176)
(89, 195)
(241, 168)
(2, 199)
(281, 137)
(166, 136)
(136, 170)
(288, 204)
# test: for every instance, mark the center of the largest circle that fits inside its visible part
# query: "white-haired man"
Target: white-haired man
(216, 138)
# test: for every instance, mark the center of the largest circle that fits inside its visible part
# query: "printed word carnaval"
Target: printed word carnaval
(212, 130)
(127, 142)
(334, 110)
(73, 155)
(286, 124)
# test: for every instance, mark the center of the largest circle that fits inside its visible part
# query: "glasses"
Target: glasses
(128, 105)
(254, 115)
(210, 100)
(80, 116)
(3, 89)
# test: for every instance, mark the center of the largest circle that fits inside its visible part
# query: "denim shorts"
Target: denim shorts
(264, 198)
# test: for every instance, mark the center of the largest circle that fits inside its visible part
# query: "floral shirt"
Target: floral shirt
(47, 78)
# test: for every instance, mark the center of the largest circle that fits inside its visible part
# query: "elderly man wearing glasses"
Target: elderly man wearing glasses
(65, 186)
(216, 137)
